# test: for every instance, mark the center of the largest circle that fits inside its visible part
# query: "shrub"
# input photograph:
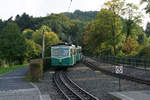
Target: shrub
(2, 63)
(145, 51)
(36, 70)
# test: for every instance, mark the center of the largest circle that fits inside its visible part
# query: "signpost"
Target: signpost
(119, 70)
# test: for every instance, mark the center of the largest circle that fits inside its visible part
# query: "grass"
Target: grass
(11, 68)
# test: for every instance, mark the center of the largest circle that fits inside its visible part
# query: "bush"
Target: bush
(36, 70)
(145, 51)
(46, 63)
(2, 63)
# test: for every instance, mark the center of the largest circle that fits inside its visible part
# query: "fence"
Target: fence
(143, 62)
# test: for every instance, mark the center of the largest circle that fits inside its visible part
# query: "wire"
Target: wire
(69, 5)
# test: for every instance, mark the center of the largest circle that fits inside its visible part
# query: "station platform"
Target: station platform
(130, 95)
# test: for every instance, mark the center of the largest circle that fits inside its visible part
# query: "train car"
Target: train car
(63, 55)
(80, 52)
(77, 53)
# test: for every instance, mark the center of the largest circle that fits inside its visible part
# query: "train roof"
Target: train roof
(63, 43)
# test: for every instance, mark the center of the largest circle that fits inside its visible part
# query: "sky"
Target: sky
(38, 8)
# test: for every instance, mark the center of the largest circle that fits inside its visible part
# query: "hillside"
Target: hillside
(81, 15)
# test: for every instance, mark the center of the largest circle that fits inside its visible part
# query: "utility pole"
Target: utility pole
(43, 44)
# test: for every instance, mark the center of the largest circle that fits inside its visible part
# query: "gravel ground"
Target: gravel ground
(99, 84)
(140, 73)
(95, 83)
(47, 86)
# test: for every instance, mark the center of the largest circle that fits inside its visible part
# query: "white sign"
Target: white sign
(119, 69)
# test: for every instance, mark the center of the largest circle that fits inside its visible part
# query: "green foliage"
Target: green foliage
(76, 31)
(1, 25)
(104, 33)
(116, 6)
(148, 39)
(133, 18)
(37, 35)
(147, 30)
(86, 16)
(145, 51)
(11, 68)
(2, 63)
(33, 49)
(142, 39)
(147, 8)
(24, 21)
(27, 33)
(59, 23)
(50, 38)
(13, 45)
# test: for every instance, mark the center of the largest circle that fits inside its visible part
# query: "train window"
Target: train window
(65, 52)
(55, 52)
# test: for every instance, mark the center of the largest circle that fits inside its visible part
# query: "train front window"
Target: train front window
(55, 52)
(65, 52)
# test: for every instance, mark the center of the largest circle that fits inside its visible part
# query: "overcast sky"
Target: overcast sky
(10, 8)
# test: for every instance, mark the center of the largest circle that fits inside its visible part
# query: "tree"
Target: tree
(60, 24)
(116, 6)
(27, 33)
(24, 21)
(148, 39)
(50, 38)
(75, 31)
(142, 39)
(133, 18)
(105, 33)
(130, 47)
(145, 52)
(1, 25)
(147, 8)
(85, 16)
(147, 30)
(33, 49)
(13, 45)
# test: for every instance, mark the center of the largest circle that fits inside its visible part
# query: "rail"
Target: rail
(122, 76)
(70, 89)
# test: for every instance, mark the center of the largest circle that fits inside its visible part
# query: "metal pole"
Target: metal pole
(43, 44)
(119, 84)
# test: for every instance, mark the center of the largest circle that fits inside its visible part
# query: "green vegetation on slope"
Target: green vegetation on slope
(11, 68)
(114, 31)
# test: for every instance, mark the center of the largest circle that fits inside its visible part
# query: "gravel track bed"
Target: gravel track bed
(99, 84)
(95, 83)
(140, 73)
(47, 87)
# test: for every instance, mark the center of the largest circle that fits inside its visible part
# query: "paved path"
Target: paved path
(13, 86)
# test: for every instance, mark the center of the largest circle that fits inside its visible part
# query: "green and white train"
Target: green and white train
(65, 55)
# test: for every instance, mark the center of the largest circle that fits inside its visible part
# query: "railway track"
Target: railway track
(69, 89)
(122, 76)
